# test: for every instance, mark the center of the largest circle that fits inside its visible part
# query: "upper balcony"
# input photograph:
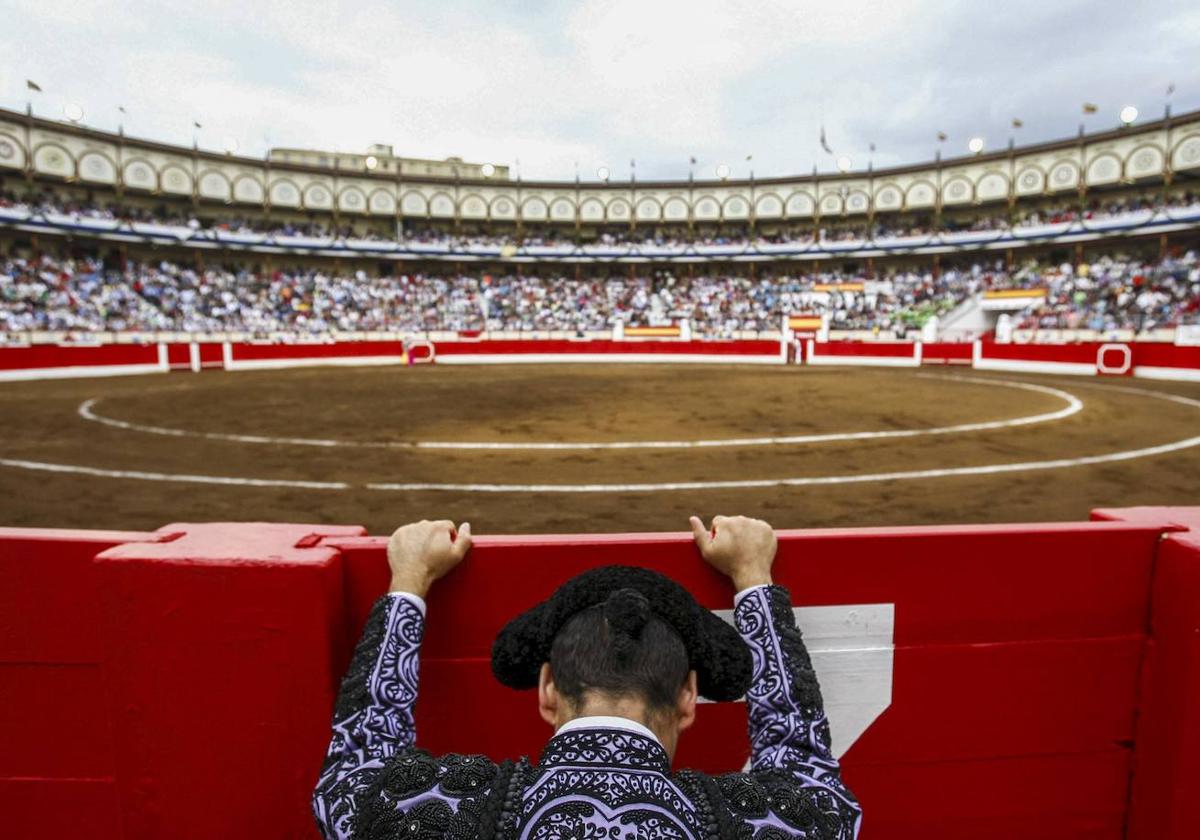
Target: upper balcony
(1157, 152)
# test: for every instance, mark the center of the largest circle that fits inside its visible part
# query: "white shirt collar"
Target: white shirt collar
(608, 722)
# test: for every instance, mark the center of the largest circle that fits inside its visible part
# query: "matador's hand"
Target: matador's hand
(737, 546)
(424, 551)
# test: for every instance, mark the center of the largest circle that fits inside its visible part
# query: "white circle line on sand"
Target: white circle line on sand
(1073, 405)
(989, 469)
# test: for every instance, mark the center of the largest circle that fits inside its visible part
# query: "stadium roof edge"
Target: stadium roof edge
(1047, 146)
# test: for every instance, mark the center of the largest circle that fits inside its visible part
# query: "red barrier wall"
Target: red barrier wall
(874, 353)
(499, 351)
(1161, 361)
(181, 684)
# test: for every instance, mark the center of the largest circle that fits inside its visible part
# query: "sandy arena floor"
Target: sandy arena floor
(356, 427)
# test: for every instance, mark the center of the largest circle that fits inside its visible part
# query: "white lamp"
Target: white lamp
(602, 173)
(1128, 114)
(975, 144)
(844, 163)
(371, 161)
(73, 112)
(722, 171)
(488, 170)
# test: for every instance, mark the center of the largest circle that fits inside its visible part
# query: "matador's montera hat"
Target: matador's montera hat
(715, 650)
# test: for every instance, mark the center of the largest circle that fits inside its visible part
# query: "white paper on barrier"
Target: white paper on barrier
(852, 650)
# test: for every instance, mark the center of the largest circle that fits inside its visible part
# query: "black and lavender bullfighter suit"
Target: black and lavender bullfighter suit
(597, 777)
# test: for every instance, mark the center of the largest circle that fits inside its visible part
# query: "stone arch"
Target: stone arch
(857, 201)
(648, 210)
(140, 175)
(247, 189)
(1186, 154)
(618, 210)
(1145, 161)
(562, 209)
(591, 210)
(1105, 168)
(736, 206)
(706, 208)
(12, 152)
(284, 192)
(534, 209)
(1031, 180)
(920, 194)
(382, 202)
(318, 196)
(958, 190)
(97, 167)
(768, 206)
(473, 206)
(889, 197)
(832, 204)
(1063, 175)
(352, 200)
(175, 180)
(503, 207)
(991, 186)
(414, 203)
(214, 186)
(441, 206)
(53, 159)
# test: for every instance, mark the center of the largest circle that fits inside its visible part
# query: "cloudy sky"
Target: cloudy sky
(591, 82)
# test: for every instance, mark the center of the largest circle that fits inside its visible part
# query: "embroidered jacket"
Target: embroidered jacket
(591, 782)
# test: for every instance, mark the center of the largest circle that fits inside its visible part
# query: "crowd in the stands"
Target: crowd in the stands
(86, 295)
(826, 230)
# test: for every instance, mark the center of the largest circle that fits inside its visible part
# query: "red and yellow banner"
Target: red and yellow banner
(1003, 294)
(653, 332)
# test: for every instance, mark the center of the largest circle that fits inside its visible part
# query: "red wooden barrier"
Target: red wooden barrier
(181, 684)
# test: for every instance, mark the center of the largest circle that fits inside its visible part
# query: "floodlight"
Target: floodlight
(74, 112)
(975, 145)
(844, 163)
(230, 144)
(602, 173)
(371, 161)
(722, 171)
(488, 170)
(1129, 114)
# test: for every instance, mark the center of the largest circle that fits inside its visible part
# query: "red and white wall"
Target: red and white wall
(1142, 359)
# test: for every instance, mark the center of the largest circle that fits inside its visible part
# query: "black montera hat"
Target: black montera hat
(715, 650)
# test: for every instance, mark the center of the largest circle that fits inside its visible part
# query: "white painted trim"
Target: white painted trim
(1074, 405)
(1101, 367)
(1028, 366)
(164, 358)
(607, 358)
(1167, 373)
(852, 649)
(194, 356)
(78, 371)
(805, 481)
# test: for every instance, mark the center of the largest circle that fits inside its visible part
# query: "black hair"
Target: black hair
(619, 647)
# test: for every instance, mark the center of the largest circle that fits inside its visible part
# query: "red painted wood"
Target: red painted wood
(179, 356)
(1080, 796)
(57, 809)
(869, 349)
(211, 355)
(38, 356)
(946, 353)
(1167, 769)
(607, 346)
(1165, 355)
(245, 351)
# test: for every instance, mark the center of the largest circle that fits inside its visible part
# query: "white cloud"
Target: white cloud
(596, 80)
